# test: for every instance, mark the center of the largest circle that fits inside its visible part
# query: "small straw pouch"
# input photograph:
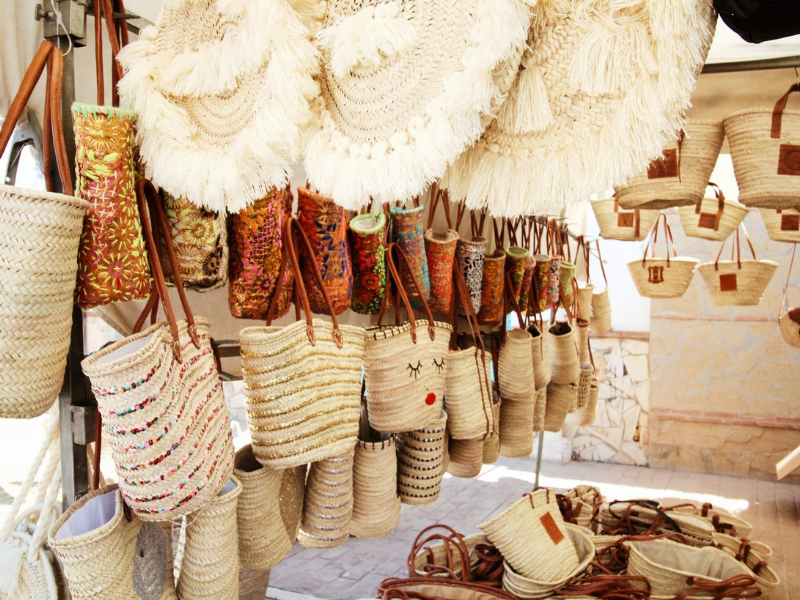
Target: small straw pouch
(712, 218)
(325, 225)
(39, 239)
(328, 504)
(295, 415)
(376, 505)
(470, 257)
(601, 302)
(783, 225)
(367, 234)
(789, 318)
(619, 224)
(420, 462)
(440, 250)
(160, 398)
(737, 282)
(256, 250)
(532, 537)
(269, 510)
(408, 234)
(405, 365)
(662, 277)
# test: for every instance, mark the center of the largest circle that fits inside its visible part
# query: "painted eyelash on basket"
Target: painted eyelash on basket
(439, 366)
(415, 370)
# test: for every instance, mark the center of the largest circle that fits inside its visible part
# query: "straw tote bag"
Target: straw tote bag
(212, 126)
(712, 219)
(765, 149)
(367, 233)
(328, 503)
(376, 504)
(440, 251)
(39, 237)
(619, 224)
(108, 553)
(466, 458)
(737, 282)
(790, 319)
(532, 537)
(782, 225)
(420, 462)
(295, 415)
(680, 176)
(161, 401)
(601, 302)
(269, 510)
(662, 277)
(405, 365)
(515, 381)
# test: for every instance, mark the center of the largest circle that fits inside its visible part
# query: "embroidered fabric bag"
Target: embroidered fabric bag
(440, 251)
(408, 234)
(368, 245)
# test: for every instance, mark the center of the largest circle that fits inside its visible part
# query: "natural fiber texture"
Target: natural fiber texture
(539, 409)
(367, 235)
(409, 234)
(723, 521)
(585, 499)
(540, 350)
(582, 340)
(731, 284)
(710, 221)
(492, 289)
(256, 246)
(530, 588)
(420, 463)
(222, 91)
(376, 505)
(112, 259)
(588, 413)
(515, 366)
(210, 567)
(563, 354)
(39, 237)
(158, 412)
(663, 278)
(782, 225)
(471, 256)
(406, 87)
(491, 444)
(531, 549)
(737, 545)
(601, 89)
(601, 312)
(466, 457)
(440, 249)
(516, 427)
(680, 176)
(440, 554)
(99, 563)
(619, 224)
(585, 294)
(754, 555)
(584, 387)
(468, 394)
(328, 504)
(296, 415)
(269, 510)
(790, 330)
(560, 399)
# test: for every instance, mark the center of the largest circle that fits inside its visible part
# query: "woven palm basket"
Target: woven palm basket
(754, 555)
(468, 395)
(539, 587)
(601, 90)
(540, 350)
(731, 284)
(210, 567)
(564, 354)
(619, 224)
(491, 444)
(587, 413)
(406, 86)
(376, 505)
(601, 312)
(697, 530)
(661, 277)
(539, 409)
(790, 330)
(712, 218)
(328, 505)
(585, 294)
(466, 457)
(560, 399)
(738, 545)
(269, 510)
(420, 462)
(516, 427)
(212, 126)
(680, 176)
(782, 225)
(582, 340)
(515, 367)
(39, 237)
(722, 521)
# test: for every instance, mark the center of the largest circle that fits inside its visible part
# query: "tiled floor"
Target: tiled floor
(355, 569)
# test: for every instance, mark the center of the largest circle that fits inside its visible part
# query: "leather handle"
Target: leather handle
(398, 282)
(777, 113)
(438, 194)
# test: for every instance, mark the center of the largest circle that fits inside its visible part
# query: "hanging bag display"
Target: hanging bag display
(470, 256)
(662, 277)
(405, 365)
(325, 225)
(765, 146)
(601, 301)
(160, 398)
(328, 503)
(620, 224)
(680, 176)
(256, 256)
(367, 233)
(295, 416)
(440, 251)
(712, 218)
(420, 462)
(790, 317)
(783, 225)
(737, 282)
(408, 234)
(39, 238)
(493, 284)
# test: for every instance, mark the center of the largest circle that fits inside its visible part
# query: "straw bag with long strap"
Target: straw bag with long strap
(39, 238)
(440, 249)
(790, 320)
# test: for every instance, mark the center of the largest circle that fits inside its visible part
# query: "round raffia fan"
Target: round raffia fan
(600, 91)
(407, 86)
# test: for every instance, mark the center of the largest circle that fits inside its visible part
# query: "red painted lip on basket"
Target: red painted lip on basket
(430, 399)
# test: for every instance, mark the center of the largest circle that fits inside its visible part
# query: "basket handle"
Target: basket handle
(736, 250)
(453, 539)
(104, 11)
(437, 194)
(398, 282)
(509, 296)
(777, 113)
(476, 225)
(720, 208)
(653, 240)
(499, 234)
(600, 258)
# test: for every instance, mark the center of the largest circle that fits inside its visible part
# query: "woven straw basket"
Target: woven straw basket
(376, 505)
(516, 427)
(680, 176)
(619, 224)
(582, 340)
(585, 294)
(210, 567)
(667, 565)
(560, 399)
(601, 312)
(468, 394)
(738, 545)
(466, 457)
(420, 466)
(491, 444)
(723, 521)
(328, 505)
(269, 510)
(530, 588)
(782, 225)
(539, 409)
(440, 554)
(712, 218)
(515, 367)
(790, 330)
(765, 148)
(563, 354)
(97, 549)
(754, 555)
(662, 277)
(540, 350)
(532, 537)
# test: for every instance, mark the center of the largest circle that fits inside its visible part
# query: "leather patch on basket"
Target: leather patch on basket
(549, 524)
(727, 282)
(625, 219)
(789, 160)
(790, 222)
(707, 221)
(664, 167)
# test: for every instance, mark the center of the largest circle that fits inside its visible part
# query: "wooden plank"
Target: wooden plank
(789, 464)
